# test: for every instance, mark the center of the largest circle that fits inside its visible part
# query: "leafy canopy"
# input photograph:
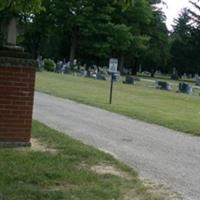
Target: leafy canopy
(18, 6)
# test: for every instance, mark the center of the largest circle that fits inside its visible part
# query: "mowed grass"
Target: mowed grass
(174, 110)
(65, 173)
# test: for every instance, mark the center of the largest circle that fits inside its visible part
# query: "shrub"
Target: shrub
(49, 65)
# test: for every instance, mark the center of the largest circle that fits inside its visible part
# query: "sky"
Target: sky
(173, 8)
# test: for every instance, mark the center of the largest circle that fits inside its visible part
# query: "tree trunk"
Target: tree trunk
(73, 48)
(33, 45)
(121, 64)
(134, 71)
(153, 71)
(135, 66)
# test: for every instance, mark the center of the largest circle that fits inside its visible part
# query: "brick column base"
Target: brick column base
(17, 78)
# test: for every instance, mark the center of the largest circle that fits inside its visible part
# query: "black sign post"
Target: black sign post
(111, 87)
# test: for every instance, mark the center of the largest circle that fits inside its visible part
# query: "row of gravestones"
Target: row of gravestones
(162, 85)
(98, 74)
(183, 87)
(101, 75)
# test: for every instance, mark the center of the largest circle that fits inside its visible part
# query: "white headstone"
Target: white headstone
(197, 80)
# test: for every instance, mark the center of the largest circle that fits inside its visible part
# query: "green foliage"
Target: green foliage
(156, 57)
(120, 37)
(18, 6)
(185, 42)
(49, 65)
(92, 31)
(125, 3)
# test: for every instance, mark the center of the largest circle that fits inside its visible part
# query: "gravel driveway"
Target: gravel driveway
(159, 154)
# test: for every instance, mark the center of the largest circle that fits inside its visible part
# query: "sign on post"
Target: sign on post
(113, 64)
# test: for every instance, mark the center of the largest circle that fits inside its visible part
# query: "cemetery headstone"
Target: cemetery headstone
(174, 75)
(39, 62)
(59, 67)
(100, 76)
(198, 80)
(136, 78)
(185, 88)
(82, 72)
(129, 80)
(162, 85)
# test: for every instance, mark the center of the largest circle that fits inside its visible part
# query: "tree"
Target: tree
(36, 29)
(12, 8)
(80, 19)
(125, 3)
(150, 44)
(195, 15)
(92, 31)
(136, 18)
(120, 40)
(18, 6)
(185, 43)
(195, 34)
(157, 54)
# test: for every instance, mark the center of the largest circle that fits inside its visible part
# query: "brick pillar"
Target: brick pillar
(17, 78)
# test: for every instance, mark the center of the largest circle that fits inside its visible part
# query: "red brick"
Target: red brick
(16, 103)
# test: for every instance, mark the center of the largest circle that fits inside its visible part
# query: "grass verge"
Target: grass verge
(65, 173)
(169, 109)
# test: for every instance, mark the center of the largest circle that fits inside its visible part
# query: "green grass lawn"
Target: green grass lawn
(65, 173)
(169, 109)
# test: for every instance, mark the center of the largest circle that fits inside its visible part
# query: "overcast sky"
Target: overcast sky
(173, 8)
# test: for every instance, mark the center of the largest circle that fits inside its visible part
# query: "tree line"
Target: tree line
(185, 41)
(92, 31)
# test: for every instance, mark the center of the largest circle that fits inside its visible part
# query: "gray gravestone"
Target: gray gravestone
(100, 76)
(129, 80)
(198, 80)
(185, 88)
(162, 85)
